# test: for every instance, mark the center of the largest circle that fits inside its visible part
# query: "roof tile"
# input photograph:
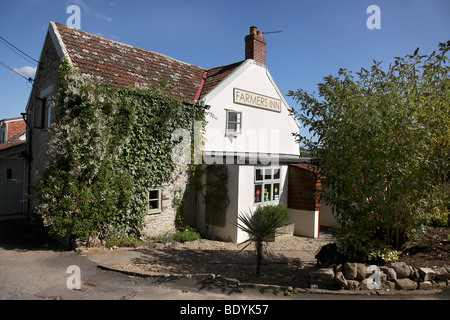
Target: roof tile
(118, 64)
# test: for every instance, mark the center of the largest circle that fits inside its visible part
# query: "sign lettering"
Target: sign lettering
(251, 99)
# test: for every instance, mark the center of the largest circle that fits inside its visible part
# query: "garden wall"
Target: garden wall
(394, 276)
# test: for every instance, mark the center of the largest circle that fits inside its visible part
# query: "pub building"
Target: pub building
(248, 139)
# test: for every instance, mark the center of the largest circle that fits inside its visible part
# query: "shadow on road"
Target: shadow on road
(18, 234)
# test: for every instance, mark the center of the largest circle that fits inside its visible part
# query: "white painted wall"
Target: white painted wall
(247, 186)
(240, 188)
(229, 231)
(263, 131)
(306, 222)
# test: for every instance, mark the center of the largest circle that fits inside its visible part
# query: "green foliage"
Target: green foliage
(261, 227)
(108, 147)
(381, 140)
(189, 234)
(360, 246)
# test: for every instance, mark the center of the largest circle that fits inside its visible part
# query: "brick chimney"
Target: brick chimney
(255, 46)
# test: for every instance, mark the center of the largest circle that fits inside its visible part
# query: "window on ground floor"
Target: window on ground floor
(267, 184)
(154, 201)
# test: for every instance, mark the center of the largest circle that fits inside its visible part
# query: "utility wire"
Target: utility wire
(11, 69)
(3, 40)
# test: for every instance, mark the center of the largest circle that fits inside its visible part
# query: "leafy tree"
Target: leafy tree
(381, 142)
(261, 227)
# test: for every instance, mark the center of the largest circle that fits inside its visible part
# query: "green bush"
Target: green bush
(380, 139)
(189, 234)
(360, 246)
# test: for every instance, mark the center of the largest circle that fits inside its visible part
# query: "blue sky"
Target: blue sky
(318, 37)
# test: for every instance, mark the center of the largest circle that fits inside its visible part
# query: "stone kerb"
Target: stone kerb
(394, 276)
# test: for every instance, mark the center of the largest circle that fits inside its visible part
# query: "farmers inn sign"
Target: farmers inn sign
(251, 99)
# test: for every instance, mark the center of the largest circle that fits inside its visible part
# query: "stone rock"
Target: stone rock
(441, 274)
(383, 277)
(361, 271)
(426, 285)
(350, 270)
(405, 284)
(402, 269)
(389, 285)
(323, 278)
(369, 284)
(427, 274)
(415, 276)
(340, 279)
(390, 273)
(352, 285)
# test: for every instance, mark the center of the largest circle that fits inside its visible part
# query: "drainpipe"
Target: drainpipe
(29, 158)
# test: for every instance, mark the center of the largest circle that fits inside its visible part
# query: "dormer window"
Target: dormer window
(234, 123)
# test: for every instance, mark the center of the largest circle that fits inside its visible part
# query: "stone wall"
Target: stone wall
(46, 78)
(177, 188)
(394, 276)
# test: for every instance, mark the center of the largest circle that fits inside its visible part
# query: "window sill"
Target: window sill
(255, 204)
(232, 135)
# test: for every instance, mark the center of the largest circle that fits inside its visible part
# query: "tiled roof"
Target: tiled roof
(4, 146)
(118, 64)
(216, 75)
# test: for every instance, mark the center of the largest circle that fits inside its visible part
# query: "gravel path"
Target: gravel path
(286, 244)
(287, 263)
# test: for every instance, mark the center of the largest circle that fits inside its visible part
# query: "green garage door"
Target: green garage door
(12, 182)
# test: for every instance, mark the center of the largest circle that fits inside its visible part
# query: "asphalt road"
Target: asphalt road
(32, 268)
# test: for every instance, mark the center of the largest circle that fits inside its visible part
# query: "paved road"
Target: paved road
(31, 268)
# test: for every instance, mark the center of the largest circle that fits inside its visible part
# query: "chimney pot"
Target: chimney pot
(259, 33)
(253, 30)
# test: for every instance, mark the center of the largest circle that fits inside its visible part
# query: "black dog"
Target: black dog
(329, 254)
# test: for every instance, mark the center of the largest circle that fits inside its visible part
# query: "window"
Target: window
(43, 108)
(234, 123)
(267, 184)
(3, 134)
(48, 112)
(154, 201)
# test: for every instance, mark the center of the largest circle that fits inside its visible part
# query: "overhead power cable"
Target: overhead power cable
(3, 64)
(15, 49)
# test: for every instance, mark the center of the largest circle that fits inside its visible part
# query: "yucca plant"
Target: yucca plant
(261, 227)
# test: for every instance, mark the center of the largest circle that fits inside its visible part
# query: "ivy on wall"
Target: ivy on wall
(108, 147)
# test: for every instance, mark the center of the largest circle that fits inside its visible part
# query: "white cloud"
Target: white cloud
(88, 10)
(26, 71)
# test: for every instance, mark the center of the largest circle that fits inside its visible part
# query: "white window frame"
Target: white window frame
(271, 177)
(47, 98)
(48, 112)
(238, 122)
(152, 199)
(3, 136)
